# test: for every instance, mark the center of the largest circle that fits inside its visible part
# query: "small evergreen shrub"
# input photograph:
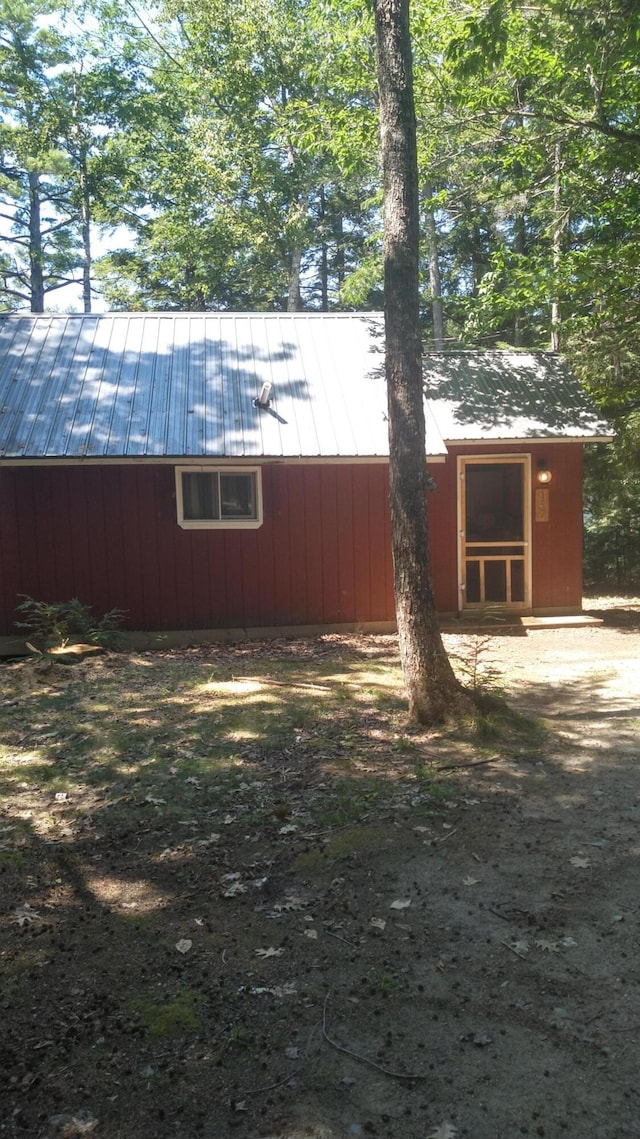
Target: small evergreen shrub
(54, 624)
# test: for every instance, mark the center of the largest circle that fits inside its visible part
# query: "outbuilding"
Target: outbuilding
(228, 472)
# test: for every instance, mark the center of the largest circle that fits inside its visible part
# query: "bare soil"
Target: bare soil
(459, 958)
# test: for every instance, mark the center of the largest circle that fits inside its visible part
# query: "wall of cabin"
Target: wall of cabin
(109, 536)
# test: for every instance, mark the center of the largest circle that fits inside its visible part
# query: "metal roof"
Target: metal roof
(509, 396)
(135, 385)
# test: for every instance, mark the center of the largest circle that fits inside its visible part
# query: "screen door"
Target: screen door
(494, 546)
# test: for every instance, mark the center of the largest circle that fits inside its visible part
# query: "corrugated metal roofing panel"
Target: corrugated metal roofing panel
(504, 395)
(136, 385)
(157, 384)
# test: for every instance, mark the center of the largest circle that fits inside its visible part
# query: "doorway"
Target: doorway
(494, 527)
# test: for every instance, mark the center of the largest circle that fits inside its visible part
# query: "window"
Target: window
(210, 498)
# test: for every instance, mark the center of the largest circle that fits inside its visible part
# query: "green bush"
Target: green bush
(53, 624)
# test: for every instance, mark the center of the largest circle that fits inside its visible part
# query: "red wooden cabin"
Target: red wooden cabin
(228, 472)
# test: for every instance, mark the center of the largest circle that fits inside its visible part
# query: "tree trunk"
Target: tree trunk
(339, 261)
(433, 692)
(36, 273)
(558, 226)
(294, 298)
(435, 280)
(519, 246)
(324, 255)
(85, 217)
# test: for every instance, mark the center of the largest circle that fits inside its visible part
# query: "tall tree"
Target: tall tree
(36, 205)
(434, 693)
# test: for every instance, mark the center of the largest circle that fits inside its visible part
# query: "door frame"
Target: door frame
(524, 460)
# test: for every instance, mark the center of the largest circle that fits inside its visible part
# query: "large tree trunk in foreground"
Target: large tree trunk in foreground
(432, 689)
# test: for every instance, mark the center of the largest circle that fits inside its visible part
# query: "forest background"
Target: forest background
(226, 156)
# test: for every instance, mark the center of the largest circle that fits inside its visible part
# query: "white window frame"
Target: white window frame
(219, 523)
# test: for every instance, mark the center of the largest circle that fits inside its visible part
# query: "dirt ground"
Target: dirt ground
(462, 962)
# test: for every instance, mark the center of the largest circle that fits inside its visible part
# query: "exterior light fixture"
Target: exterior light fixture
(263, 400)
(544, 474)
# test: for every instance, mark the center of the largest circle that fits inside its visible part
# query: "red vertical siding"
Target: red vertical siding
(295, 549)
(381, 565)
(328, 519)
(307, 545)
(10, 571)
(109, 536)
(556, 545)
(443, 534)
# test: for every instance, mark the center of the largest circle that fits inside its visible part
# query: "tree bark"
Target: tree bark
(294, 298)
(519, 246)
(85, 217)
(435, 281)
(324, 255)
(433, 692)
(558, 227)
(36, 273)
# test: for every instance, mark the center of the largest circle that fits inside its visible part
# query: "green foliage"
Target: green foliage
(174, 1016)
(237, 147)
(472, 654)
(57, 623)
(612, 510)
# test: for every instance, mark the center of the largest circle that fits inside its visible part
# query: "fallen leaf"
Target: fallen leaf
(24, 915)
(400, 904)
(286, 990)
(480, 1039)
(290, 902)
(444, 1131)
(292, 1053)
(61, 796)
(67, 1126)
(312, 934)
(547, 944)
(270, 952)
(580, 863)
(234, 890)
(227, 820)
(195, 782)
(184, 945)
(521, 946)
(288, 829)
(84, 1126)
(377, 923)
(469, 881)
(152, 799)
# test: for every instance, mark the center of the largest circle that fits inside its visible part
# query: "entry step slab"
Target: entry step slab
(512, 622)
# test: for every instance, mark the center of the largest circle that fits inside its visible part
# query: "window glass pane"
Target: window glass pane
(238, 496)
(200, 495)
(494, 502)
(517, 581)
(495, 581)
(496, 551)
(473, 582)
